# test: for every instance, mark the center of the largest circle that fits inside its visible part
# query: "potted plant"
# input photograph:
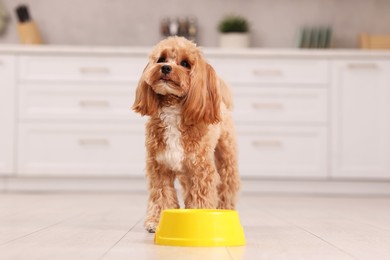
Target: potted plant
(234, 32)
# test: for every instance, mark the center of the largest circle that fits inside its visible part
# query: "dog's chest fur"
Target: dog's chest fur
(173, 154)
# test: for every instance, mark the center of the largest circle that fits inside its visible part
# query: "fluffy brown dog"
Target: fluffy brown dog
(190, 133)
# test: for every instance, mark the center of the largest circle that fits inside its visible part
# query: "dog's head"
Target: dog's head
(177, 70)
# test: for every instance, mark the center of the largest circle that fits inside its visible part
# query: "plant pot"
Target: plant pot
(234, 40)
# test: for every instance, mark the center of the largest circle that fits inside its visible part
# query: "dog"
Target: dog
(190, 133)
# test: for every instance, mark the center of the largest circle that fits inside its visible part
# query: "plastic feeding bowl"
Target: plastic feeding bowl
(199, 227)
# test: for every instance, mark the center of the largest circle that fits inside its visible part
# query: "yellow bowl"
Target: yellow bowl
(199, 227)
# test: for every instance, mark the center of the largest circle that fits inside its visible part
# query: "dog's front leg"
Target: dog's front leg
(162, 194)
(200, 184)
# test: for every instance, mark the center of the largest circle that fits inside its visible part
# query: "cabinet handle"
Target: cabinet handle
(267, 72)
(95, 70)
(267, 143)
(94, 103)
(97, 141)
(273, 106)
(370, 66)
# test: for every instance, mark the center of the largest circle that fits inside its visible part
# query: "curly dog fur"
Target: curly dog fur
(190, 133)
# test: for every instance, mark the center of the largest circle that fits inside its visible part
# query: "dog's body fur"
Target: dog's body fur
(190, 133)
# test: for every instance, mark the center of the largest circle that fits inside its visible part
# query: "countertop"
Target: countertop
(209, 52)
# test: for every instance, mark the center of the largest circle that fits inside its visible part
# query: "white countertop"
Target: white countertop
(209, 52)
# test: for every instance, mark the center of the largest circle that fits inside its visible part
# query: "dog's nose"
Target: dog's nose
(166, 69)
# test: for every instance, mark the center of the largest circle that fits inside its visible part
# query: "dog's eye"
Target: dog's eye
(161, 60)
(185, 64)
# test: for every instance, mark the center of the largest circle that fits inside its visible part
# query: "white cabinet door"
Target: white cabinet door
(7, 114)
(361, 119)
(89, 149)
(37, 68)
(292, 105)
(282, 151)
(271, 71)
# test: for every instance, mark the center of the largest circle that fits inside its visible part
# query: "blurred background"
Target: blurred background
(273, 24)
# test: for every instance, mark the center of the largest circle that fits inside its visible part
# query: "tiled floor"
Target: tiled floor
(109, 226)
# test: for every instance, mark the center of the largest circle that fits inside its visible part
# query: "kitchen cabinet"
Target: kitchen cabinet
(360, 131)
(77, 149)
(281, 114)
(282, 151)
(74, 116)
(309, 115)
(7, 114)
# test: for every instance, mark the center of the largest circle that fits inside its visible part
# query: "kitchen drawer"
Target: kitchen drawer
(75, 101)
(239, 70)
(292, 152)
(93, 149)
(75, 68)
(275, 105)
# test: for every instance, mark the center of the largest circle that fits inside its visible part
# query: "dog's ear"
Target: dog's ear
(146, 101)
(202, 103)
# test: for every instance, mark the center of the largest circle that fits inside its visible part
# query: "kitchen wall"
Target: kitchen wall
(136, 23)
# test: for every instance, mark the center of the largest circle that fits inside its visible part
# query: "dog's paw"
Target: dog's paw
(150, 226)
